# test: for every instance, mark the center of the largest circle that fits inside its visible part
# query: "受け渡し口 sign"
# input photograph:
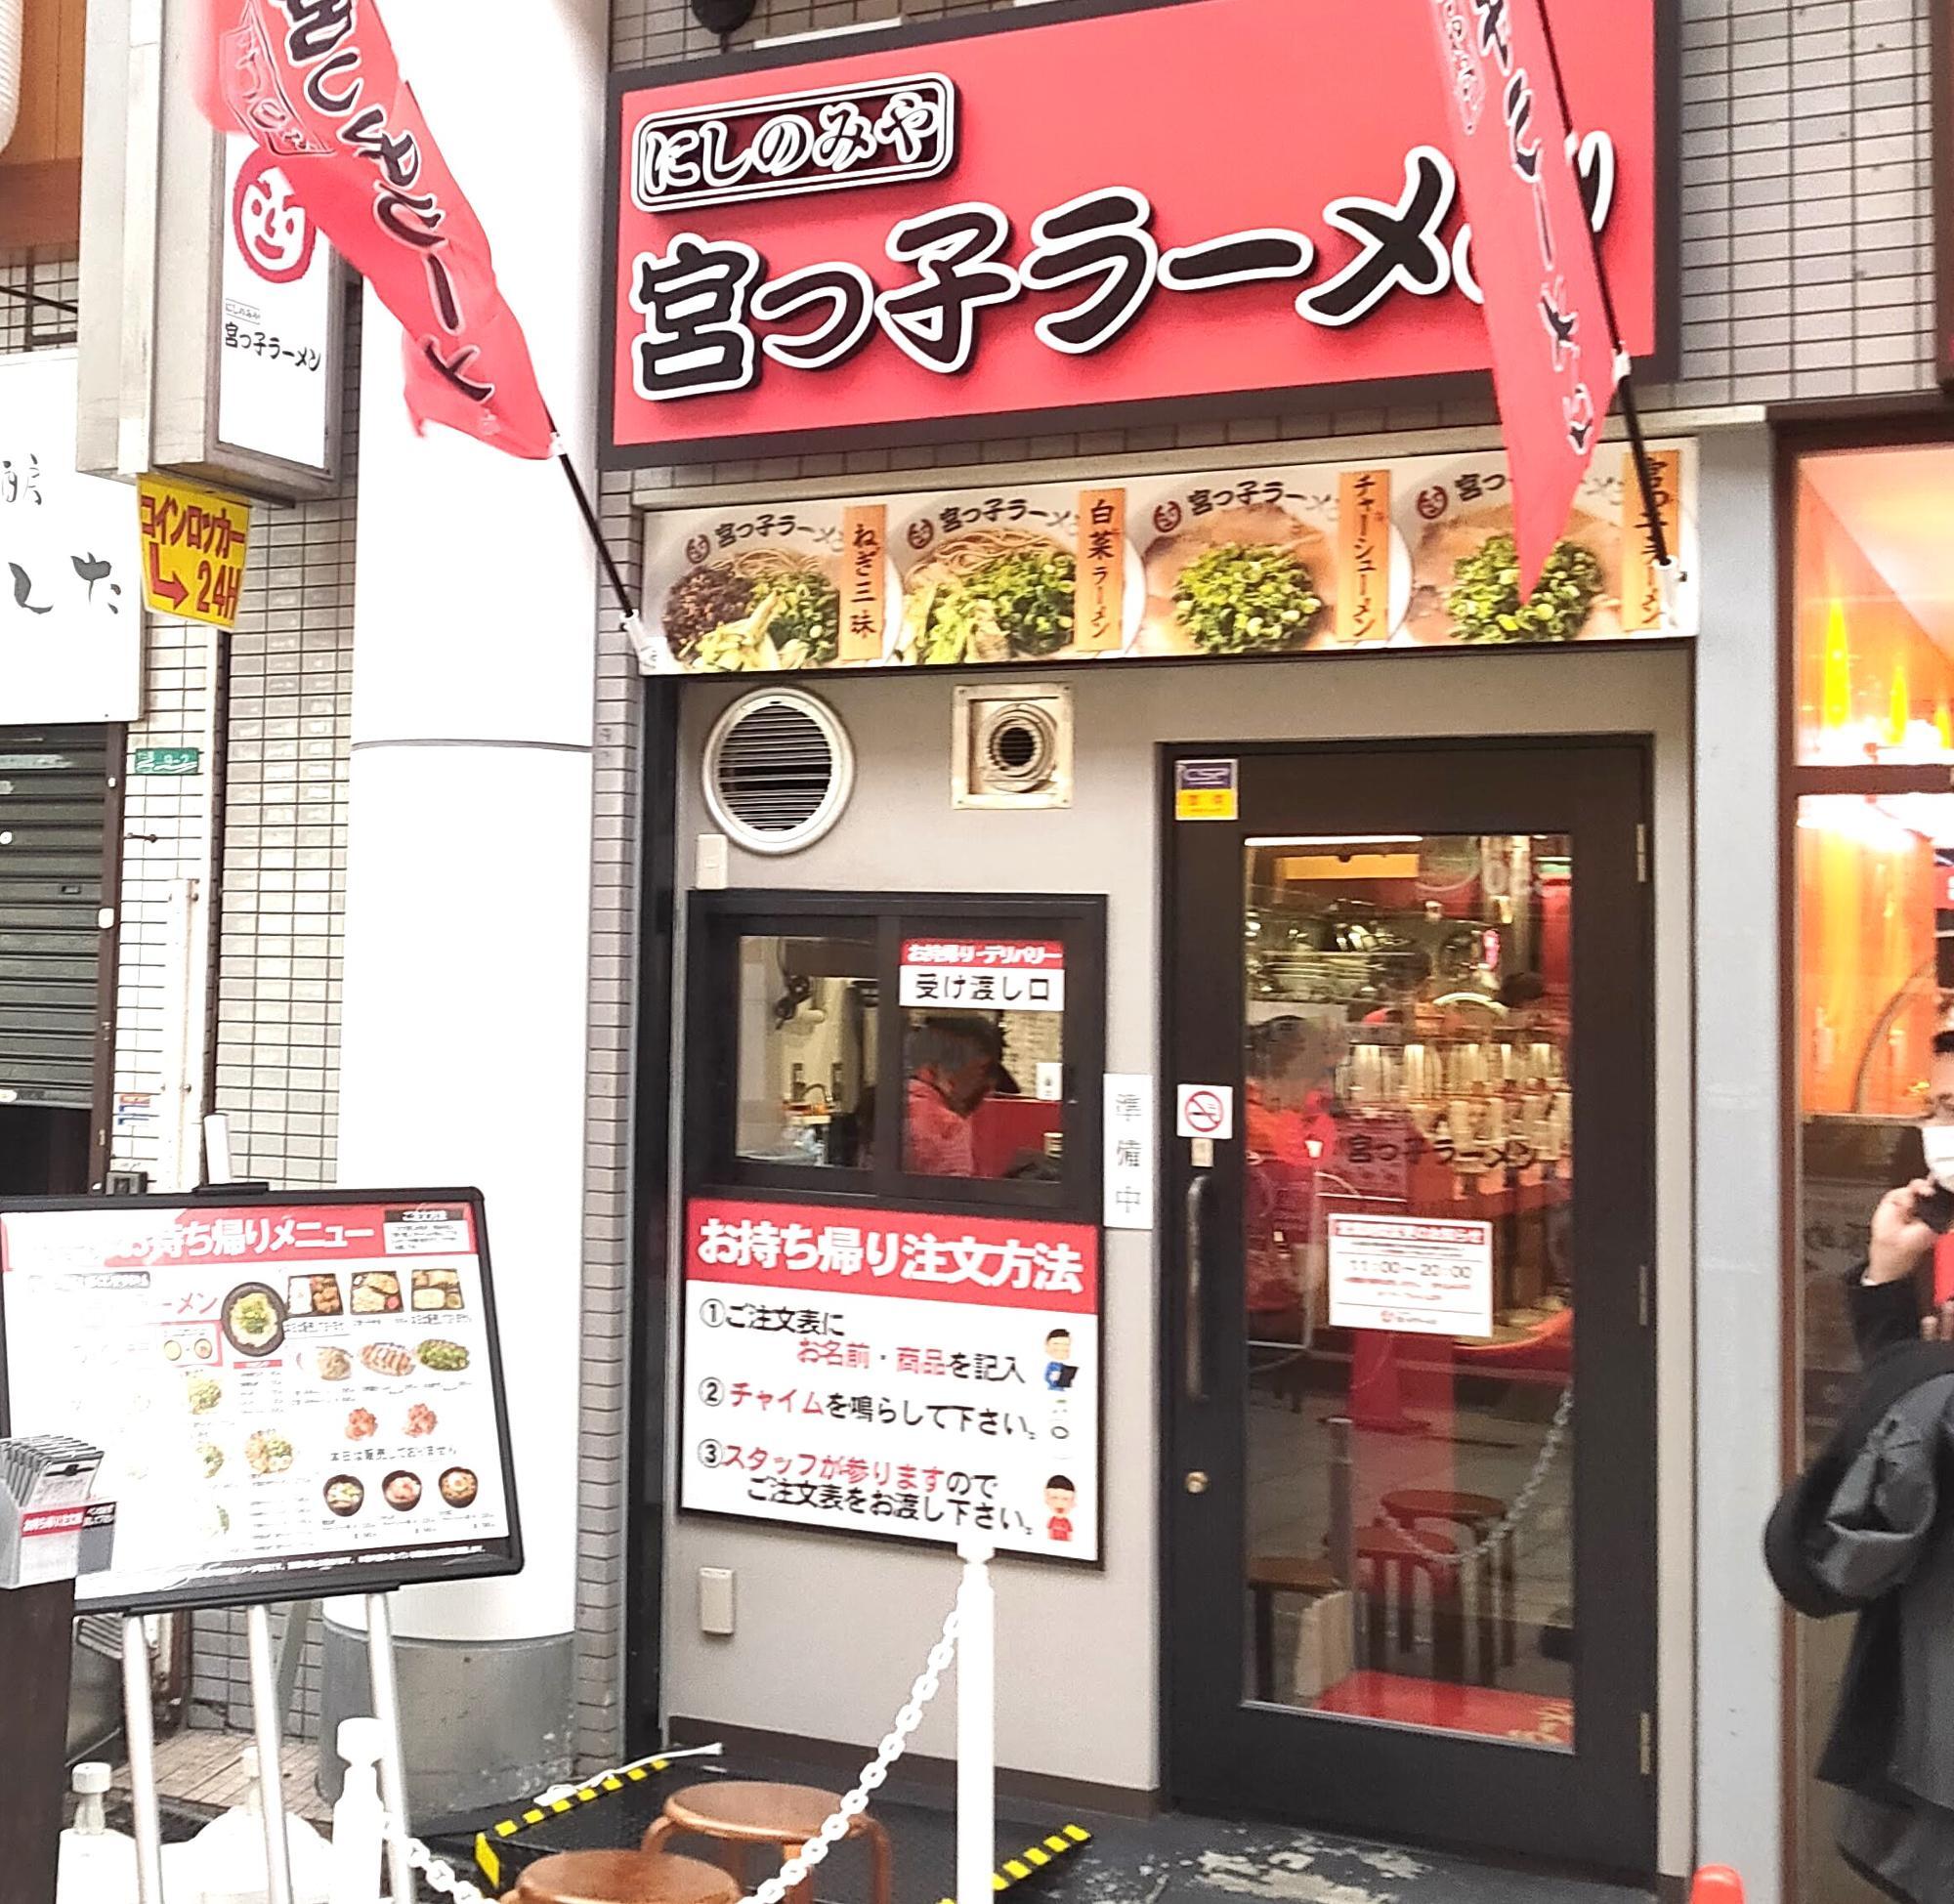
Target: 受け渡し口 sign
(984, 974)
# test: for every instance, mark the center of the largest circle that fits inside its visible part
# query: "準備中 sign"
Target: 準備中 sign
(894, 1373)
(1225, 200)
(293, 1396)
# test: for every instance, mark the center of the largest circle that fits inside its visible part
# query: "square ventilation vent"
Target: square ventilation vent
(1011, 746)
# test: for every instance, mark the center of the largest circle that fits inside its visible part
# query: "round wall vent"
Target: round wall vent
(778, 770)
(1018, 741)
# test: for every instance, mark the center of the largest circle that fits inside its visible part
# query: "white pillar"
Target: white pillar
(467, 907)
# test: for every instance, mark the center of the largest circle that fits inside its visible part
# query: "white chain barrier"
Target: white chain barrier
(442, 1876)
(874, 1773)
(1508, 1525)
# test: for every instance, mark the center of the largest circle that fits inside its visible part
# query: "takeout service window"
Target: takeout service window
(898, 1047)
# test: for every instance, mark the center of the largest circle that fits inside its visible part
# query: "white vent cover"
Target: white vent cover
(1011, 746)
(778, 770)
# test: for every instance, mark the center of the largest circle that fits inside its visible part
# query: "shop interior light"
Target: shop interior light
(1862, 818)
(1339, 839)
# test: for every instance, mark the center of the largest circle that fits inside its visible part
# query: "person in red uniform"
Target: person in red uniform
(955, 1065)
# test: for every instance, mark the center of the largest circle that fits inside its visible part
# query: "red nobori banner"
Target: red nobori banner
(1225, 200)
(1554, 359)
(319, 89)
(808, 1250)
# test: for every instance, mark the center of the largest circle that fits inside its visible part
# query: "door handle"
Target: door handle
(1193, 1319)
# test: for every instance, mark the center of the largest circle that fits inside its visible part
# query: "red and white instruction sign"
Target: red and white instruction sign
(292, 1398)
(879, 1372)
(1413, 1276)
(984, 974)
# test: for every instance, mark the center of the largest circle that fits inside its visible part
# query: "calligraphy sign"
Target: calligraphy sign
(1100, 603)
(316, 84)
(1363, 555)
(864, 607)
(70, 621)
(1641, 580)
(1178, 234)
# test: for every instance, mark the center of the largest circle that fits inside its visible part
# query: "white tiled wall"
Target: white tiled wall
(289, 690)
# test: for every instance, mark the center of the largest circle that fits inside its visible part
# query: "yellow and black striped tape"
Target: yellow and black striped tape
(1034, 1858)
(487, 1855)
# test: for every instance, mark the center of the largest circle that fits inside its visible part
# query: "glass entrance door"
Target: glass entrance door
(1412, 1566)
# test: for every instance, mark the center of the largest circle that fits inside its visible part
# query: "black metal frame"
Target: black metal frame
(1594, 1808)
(651, 1225)
(1462, 386)
(496, 1559)
(716, 919)
(709, 1168)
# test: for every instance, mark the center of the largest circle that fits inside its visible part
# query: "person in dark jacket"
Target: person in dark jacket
(1869, 1528)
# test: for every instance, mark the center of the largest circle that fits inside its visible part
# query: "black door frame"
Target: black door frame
(1592, 1809)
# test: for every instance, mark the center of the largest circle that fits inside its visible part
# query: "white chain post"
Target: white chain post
(976, 1724)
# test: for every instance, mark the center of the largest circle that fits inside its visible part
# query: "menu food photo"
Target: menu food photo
(1256, 561)
(292, 1398)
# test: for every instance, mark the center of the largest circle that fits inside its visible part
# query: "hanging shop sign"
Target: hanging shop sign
(294, 1398)
(893, 1372)
(70, 609)
(193, 546)
(275, 390)
(1416, 552)
(1222, 203)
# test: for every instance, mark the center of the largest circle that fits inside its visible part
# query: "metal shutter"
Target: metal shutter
(53, 809)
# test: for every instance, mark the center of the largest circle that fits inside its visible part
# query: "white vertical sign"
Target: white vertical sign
(1129, 1150)
(274, 382)
(70, 586)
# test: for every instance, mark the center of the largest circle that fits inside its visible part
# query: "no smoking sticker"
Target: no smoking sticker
(1204, 1110)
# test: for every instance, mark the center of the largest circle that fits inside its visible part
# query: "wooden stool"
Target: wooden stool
(1270, 1574)
(739, 1813)
(1478, 1514)
(622, 1878)
(1383, 1550)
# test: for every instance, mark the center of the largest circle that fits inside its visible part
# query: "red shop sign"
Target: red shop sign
(1201, 204)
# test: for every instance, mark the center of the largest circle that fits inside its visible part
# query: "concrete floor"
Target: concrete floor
(1174, 1859)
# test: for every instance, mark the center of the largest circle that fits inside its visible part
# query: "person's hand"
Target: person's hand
(1901, 1241)
(1938, 1325)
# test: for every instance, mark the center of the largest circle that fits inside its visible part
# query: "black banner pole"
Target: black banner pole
(1625, 389)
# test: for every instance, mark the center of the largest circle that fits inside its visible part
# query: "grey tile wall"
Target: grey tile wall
(291, 687)
(281, 903)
